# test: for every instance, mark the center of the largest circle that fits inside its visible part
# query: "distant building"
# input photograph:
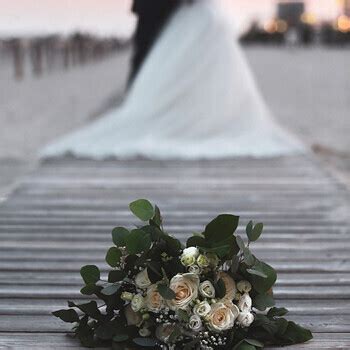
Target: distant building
(291, 12)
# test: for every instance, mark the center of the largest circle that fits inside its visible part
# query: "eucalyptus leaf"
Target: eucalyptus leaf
(277, 312)
(221, 228)
(256, 232)
(116, 276)
(145, 342)
(240, 243)
(118, 235)
(69, 316)
(261, 284)
(137, 242)
(90, 274)
(120, 338)
(142, 209)
(263, 301)
(248, 257)
(254, 342)
(89, 289)
(111, 289)
(166, 292)
(113, 256)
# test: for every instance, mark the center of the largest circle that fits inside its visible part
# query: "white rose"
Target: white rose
(203, 261)
(189, 256)
(126, 296)
(185, 288)
(245, 303)
(202, 309)
(154, 301)
(207, 289)
(141, 280)
(222, 316)
(245, 319)
(230, 285)
(244, 286)
(137, 302)
(195, 269)
(195, 323)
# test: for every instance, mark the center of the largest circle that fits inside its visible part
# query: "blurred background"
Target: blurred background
(64, 62)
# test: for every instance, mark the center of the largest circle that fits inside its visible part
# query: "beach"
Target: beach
(307, 89)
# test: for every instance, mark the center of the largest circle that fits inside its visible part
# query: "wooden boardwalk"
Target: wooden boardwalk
(61, 216)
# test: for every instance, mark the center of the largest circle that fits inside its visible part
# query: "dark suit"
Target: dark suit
(152, 16)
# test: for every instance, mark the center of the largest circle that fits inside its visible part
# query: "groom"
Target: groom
(152, 16)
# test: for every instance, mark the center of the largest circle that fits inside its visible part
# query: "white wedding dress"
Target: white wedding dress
(194, 97)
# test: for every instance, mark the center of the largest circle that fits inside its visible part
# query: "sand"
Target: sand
(308, 90)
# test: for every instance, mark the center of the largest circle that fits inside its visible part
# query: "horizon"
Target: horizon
(25, 17)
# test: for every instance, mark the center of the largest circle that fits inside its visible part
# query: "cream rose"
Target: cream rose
(244, 286)
(222, 316)
(142, 280)
(137, 302)
(245, 303)
(154, 301)
(230, 285)
(202, 309)
(207, 289)
(245, 319)
(185, 288)
(195, 323)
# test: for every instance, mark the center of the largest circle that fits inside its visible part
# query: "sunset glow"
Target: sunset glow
(114, 17)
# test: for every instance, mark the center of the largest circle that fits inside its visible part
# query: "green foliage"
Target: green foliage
(166, 292)
(137, 241)
(113, 257)
(142, 209)
(90, 274)
(118, 235)
(102, 321)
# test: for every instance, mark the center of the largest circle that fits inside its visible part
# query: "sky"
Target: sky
(113, 16)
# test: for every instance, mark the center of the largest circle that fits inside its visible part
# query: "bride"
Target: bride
(193, 97)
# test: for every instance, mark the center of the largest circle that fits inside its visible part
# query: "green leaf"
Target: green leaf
(106, 331)
(296, 334)
(89, 289)
(254, 342)
(219, 251)
(277, 312)
(118, 235)
(113, 256)
(220, 289)
(90, 274)
(260, 284)
(256, 273)
(166, 292)
(110, 290)
(249, 228)
(240, 243)
(69, 316)
(145, 342)
(196, 241)
(154, 271)
(137, 242)
(116, 276)
(221, 228)
(120, 338)
(263, 301)
(183, 315)
(157, 218)
(89, 309)
(142, 209)
(248, 257)
(256, 232)
(245, 346)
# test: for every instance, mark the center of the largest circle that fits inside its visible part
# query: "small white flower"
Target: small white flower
(142, 280)
(189, 256)
(202, 309)
(203, 261)
(244, 286)
(195, 323)
(207, 290)
(144, 332)
(137, 302)
(245, 303)
(126, 296)
(245, 319)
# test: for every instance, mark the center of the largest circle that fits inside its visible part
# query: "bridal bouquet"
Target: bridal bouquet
(212, 294)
